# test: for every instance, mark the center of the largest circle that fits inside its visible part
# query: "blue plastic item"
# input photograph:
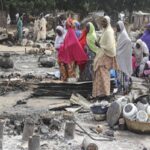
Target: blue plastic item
(113, 73)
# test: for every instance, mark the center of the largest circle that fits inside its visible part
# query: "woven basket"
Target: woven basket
(138, 127)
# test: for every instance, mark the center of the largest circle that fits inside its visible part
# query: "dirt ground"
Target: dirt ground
(16, 49)
(125, 140)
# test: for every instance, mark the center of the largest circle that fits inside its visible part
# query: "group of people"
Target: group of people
(141, 54)
(94, 57)
(83, 56)
(39, 28)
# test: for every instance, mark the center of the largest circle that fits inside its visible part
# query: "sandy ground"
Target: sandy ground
(125, 140)
(16, 49)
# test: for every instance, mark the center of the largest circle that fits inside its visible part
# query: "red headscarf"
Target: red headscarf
(82, 39)
(72, 51)
(69, 23)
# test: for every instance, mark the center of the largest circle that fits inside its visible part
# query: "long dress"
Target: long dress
(91, 50)
(70, 54)
(103, 62)
(124, 51)
(124, 58)
(36, 30)
(43, 24)
(19, 29)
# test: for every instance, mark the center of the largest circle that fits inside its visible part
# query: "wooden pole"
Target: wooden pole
(1, 128)
(28, 129)
(30, 143)
(1, 133)
(89, 144)
(34, 143)
(69, 130)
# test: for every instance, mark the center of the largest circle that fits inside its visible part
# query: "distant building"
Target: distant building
(140, 19)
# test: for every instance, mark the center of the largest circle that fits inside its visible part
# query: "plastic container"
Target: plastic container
(142, 116)
(129, 111)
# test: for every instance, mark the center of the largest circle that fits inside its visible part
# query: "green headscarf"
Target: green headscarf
(91, 38)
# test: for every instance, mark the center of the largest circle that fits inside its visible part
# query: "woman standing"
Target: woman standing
(124, 57)
(59, 41)
(70, 54)
(19, 29)
(91, 50)
(104, 61)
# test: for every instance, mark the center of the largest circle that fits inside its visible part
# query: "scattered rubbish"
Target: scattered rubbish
(6, 62)
(57, 106)
(89, 144)
(109, 133)
(99, 110)
(99, 129)
(47, 61)
(130, 111)
(55, 124)
(28, 129)
(34, 142)
(69, 130)
(142, 116)
(68, 115)
(122, 124)
(44, 129)
(103, 138)
(80, 100)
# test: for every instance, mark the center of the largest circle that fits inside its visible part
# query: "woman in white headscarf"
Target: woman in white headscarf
(124, 57)
(124, 50)
(60, 31)
(104, 61)
(141, 53)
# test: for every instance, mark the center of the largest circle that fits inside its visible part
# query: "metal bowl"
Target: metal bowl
(98, 109)
(99, 117)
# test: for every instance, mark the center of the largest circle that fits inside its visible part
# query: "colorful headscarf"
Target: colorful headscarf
(71, 51)
(69, 23)
(92, 38)
(82, 39)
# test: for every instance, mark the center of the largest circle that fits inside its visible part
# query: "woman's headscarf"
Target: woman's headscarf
(108, 20)
(92, 38)
(60, 28)
(69, 23)
(142, 50)
(107, 44)
(122, 36)
(77, 29)
(124, 50)
(59, 39)
(82, 39)
(71, 51)
(146, 37)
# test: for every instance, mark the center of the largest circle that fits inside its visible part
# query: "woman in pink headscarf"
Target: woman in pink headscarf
(70, 54)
